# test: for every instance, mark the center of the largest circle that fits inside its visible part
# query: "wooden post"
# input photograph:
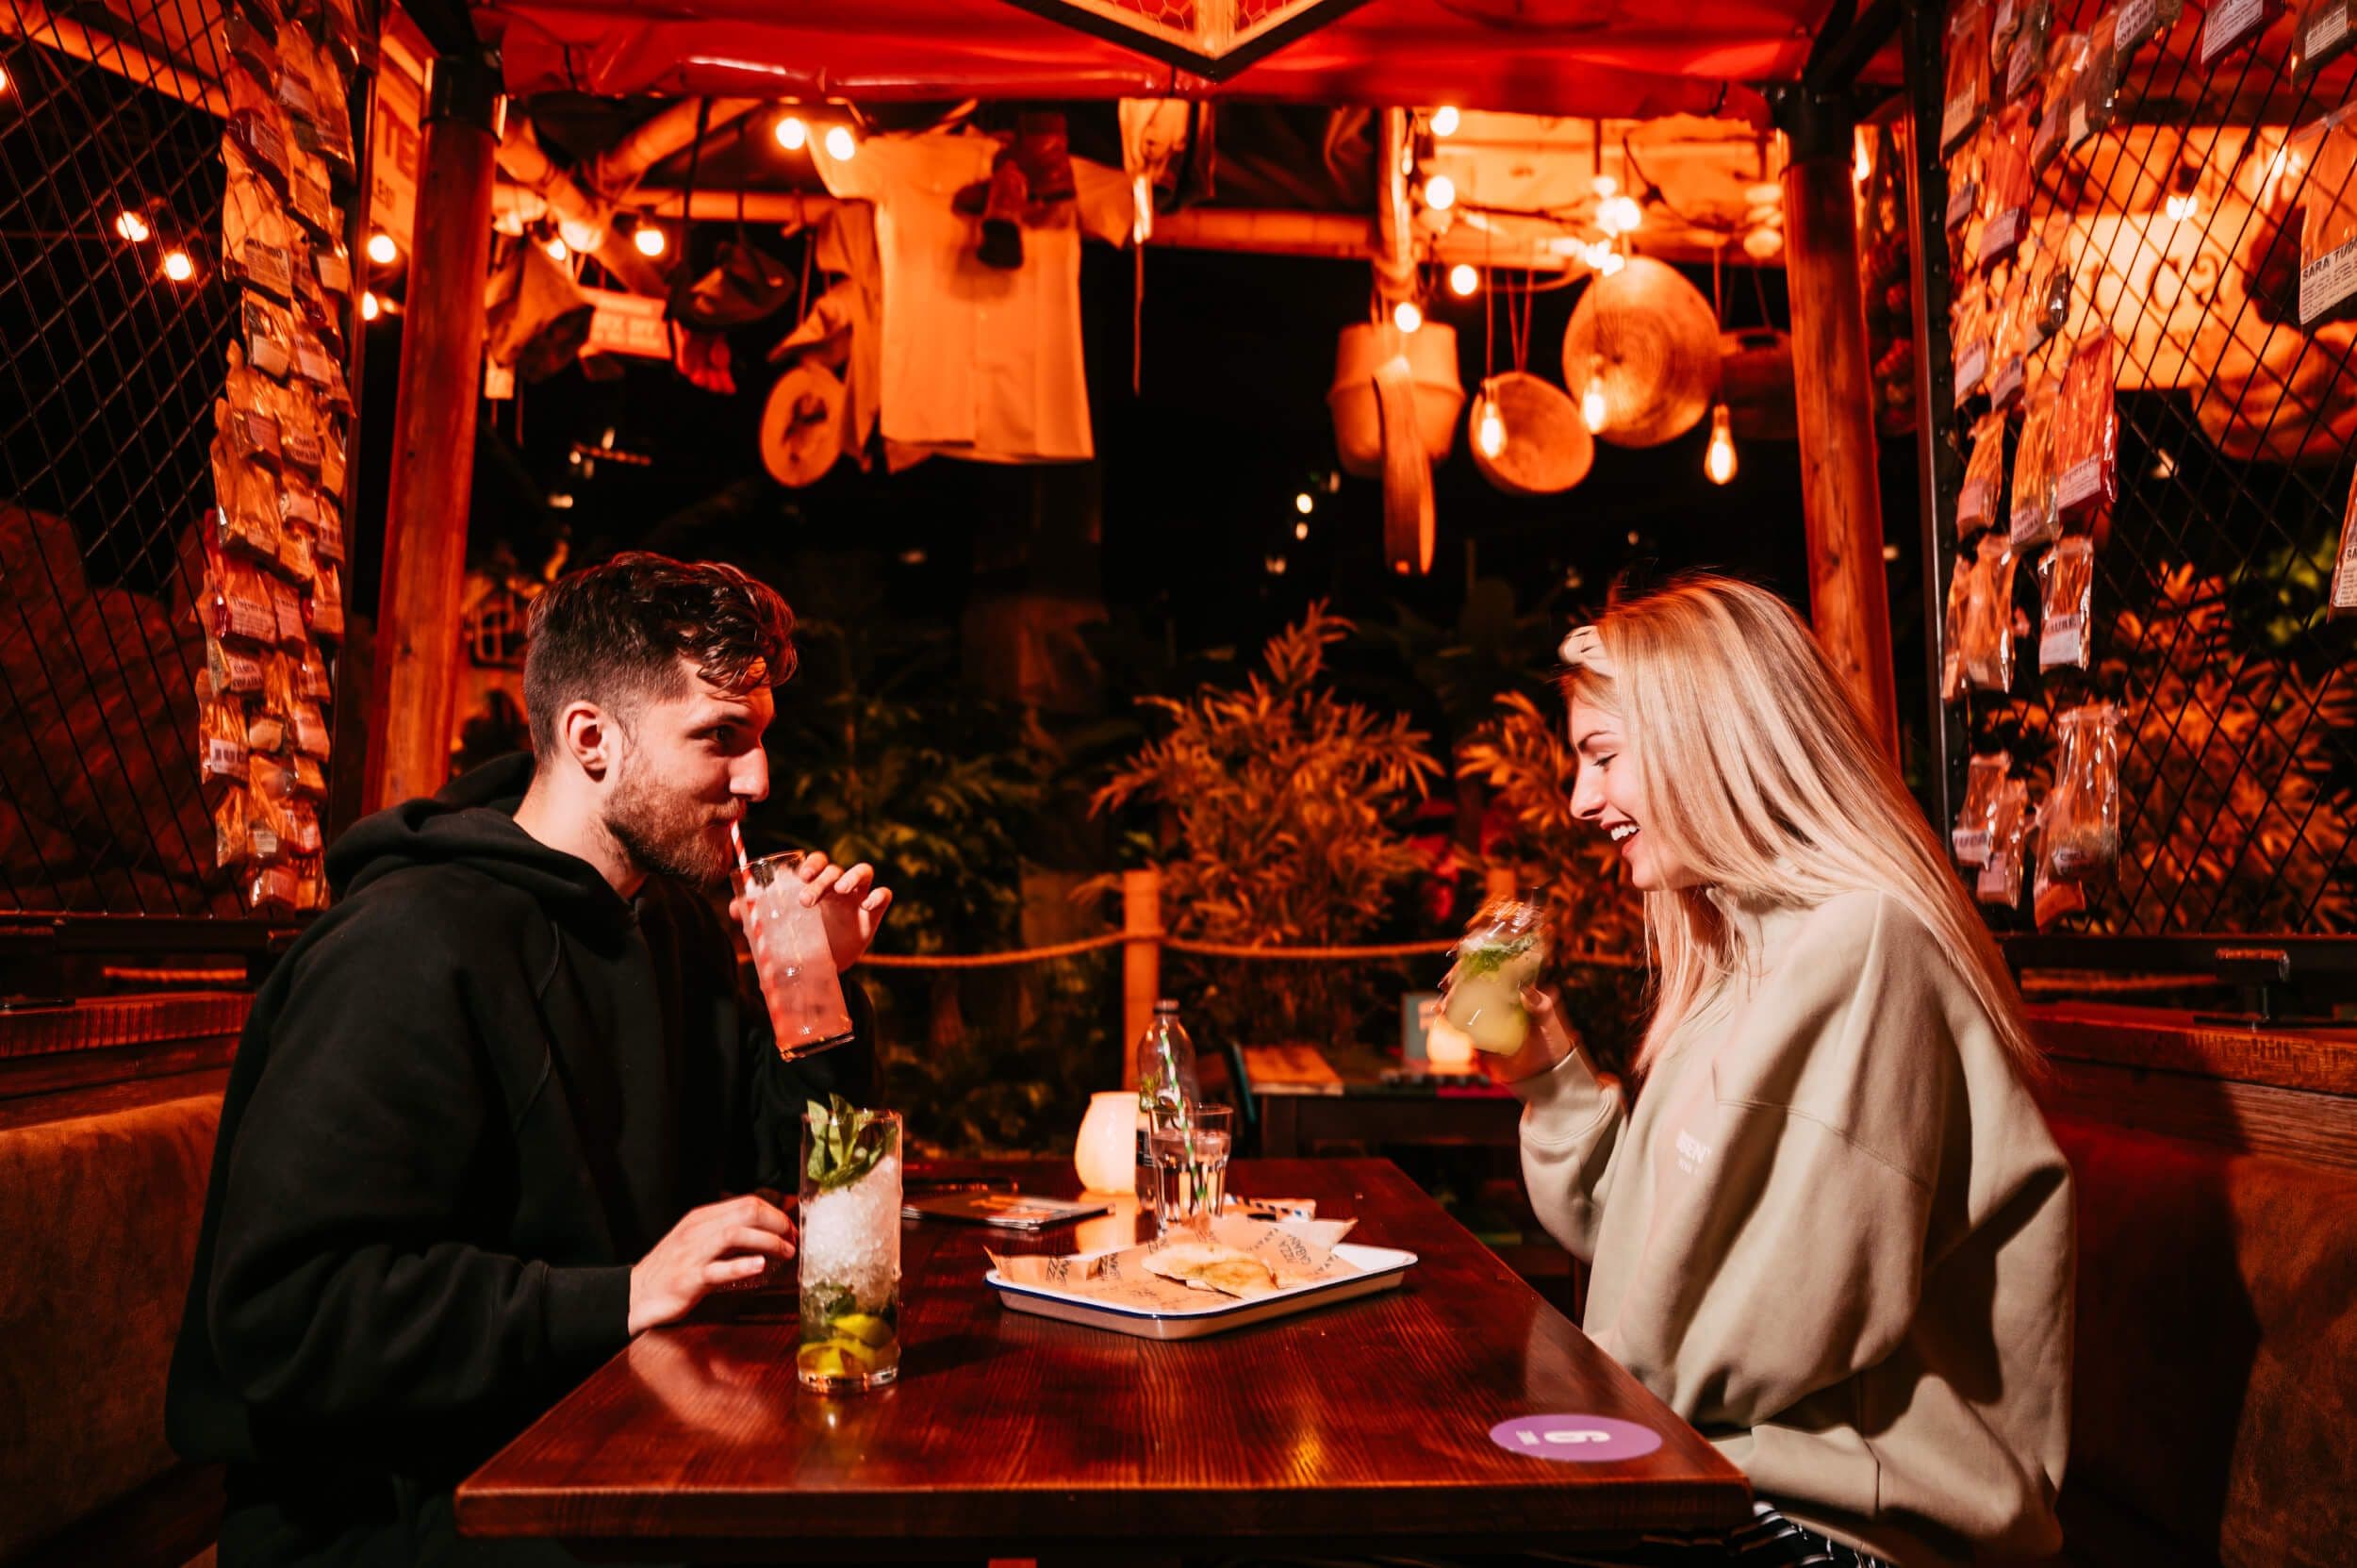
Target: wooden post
(1140, 963)
(418, 630)
(1840, 495)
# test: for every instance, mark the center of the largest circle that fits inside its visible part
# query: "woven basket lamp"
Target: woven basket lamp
(1648, 338)
(1542, 448)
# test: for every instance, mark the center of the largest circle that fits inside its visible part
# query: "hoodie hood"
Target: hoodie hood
(473, 823)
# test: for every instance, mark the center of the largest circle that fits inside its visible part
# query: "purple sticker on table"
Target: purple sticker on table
(1582, 1439)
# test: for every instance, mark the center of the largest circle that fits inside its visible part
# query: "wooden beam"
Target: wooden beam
(1840, 495)
(417, 645)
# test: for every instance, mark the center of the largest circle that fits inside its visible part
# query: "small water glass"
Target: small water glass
(1190, 1144)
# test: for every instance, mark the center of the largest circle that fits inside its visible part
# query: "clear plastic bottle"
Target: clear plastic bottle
(1166, 1081)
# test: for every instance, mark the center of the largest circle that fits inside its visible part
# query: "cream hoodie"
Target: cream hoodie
(1833, 1233)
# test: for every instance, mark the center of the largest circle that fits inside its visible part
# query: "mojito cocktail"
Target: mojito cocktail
(850, 1249)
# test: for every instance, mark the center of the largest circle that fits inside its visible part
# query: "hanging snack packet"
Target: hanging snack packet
(2000, 881)
(327, 533)
(325, 604)
(2065, 580)
(1982, 503)
(2095, 96)
(2081, 840)
(1960, 595)
(303, 828)
(231, 837)
(2005, 202)
(2324, 29)
(266, 730)
(2036, 520)
(1984, 780)
(2045, 291)
(245, 518)
(308, 778)
(1986, 638)
(250, 47)
(255, 237)
(1966, 171)
(299, 429)
(2066, 56)
(310, 729)
(2328, 238)
(257, 129)
(1969, 23)
(268, 336)
(310, 674)
(2086, 432)
(231, 670)
(271, 789)
(245, 431)
(2008, 349)
(273, 889)
(2231, 24)
(1968, 326)
(2026, 57)
(333, 263)
(2343, 597)
(221, 737)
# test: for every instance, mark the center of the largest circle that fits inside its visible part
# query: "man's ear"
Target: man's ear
(589, 737)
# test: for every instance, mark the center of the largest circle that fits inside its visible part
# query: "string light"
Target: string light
(1463, 279)
(1593, 410)
(1276, 564)
(1605, 186)
(1440, 192)
(1613, 261)
(1304, 503)
(131, 226)
(650, 239)
(2181, 207)
(1490, 435)
(792, 133)
(841, 144)
(1301, 529)
(1407, 315)
(583, 237)
(558, 251)
(1862, 166)
(1617, 215)
(177, 265)
(382, 250)
(1719, 462)
(370, 309)
(1445, 120)
(5, 83)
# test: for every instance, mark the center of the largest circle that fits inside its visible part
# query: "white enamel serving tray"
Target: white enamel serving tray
(1380, 1268)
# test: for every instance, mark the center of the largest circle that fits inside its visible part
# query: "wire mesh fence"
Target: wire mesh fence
(2169, 178)
(117, 313)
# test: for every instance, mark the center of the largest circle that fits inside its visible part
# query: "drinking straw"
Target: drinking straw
(736, 836)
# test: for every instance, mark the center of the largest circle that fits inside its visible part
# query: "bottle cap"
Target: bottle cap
(1166, 1004)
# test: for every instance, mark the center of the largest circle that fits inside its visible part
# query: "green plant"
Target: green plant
(1278, 806)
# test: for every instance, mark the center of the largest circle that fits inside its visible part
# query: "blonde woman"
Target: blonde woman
(1826, 1219)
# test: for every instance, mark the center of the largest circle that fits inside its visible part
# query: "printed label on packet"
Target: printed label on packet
(2324, 32)
(2229, 23)
(2020, 67)
(1956, 119)
(1962, 199)
(2060, 644)
(1991, 884)
(224, 759)
(2326, 282)
(2138, 21)
(2078, 483)
(1971, 365)
(2007, 385)
(1971, 844)
(2002, 234)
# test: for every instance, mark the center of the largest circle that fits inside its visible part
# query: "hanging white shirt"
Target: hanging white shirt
(979, 362)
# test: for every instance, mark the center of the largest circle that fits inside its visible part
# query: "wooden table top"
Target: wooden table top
(1366, 1422)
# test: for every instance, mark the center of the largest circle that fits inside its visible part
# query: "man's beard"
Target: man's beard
(665, 833)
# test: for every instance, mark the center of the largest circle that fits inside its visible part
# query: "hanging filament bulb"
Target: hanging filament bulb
(1490, 434)
(841, 144)
(131, 226)
(1407, 315)
(1463, 279)
(1719, 462)
(1440, 192)
(370, 309)
(792, 133)
(1445, 120)
(558, 251)
(1593, 410)
(177, 265)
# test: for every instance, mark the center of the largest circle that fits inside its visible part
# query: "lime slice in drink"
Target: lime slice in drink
(824, 1361)
(864, 1328)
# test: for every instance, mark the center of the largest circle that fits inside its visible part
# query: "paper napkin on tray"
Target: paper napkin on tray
(1291, 1253)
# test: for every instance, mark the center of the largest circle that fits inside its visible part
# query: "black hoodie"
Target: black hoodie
(476, 1091)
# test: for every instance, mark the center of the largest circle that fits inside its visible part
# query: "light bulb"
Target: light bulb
(370, 309)
(1440, 192)
(841, 144)
(1619, 215)
(792, 133)
(1463, 279)
(1301, 529)
(1607, 186)
(1592, 412)
(1719, 462)
(4, 81)
(1276, 564)
(650, 240)
(382, 250)
(1304, 503)
(559, 250)
(1407, 315)
(131, 226)
(1491, 433)
(1445, 120)
(1613, 261)
(177, 265)
(2181, 207)
(1862, 167)
(584, 237)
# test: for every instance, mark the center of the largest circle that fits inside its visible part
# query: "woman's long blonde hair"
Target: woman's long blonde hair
(1760, 776)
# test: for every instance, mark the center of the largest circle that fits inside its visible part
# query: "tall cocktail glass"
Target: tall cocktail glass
(851, 1249)
(791, 957)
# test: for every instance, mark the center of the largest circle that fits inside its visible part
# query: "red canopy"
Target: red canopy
(1607, 58)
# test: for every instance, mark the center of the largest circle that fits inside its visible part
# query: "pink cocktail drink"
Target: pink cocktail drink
(791, 957)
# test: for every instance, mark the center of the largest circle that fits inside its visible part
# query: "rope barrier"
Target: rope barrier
(1200, 949)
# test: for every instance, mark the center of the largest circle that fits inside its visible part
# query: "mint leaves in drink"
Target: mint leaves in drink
(846, 1143)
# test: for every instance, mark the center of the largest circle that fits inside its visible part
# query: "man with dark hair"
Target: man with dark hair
(488, 1112)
